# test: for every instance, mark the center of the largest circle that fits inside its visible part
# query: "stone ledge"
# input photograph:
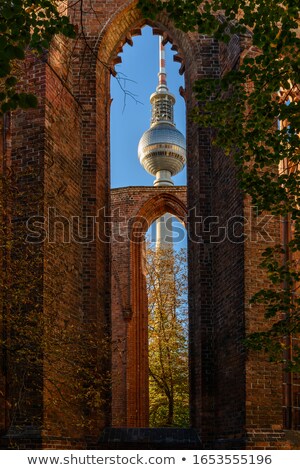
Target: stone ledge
(149, 438)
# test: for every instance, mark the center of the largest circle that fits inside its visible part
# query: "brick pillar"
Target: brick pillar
(22, 165)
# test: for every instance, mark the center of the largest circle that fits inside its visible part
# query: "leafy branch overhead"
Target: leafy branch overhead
(255, 110)
(26, 25)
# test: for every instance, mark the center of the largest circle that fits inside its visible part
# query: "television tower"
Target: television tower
(162, 148)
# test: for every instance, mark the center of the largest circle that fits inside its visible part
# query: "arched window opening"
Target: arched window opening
(148, 154)
(131, 89)
(166, 278)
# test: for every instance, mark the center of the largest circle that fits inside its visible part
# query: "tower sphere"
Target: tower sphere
(162, 147)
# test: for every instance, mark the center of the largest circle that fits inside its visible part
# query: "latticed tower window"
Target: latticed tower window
(162, 110)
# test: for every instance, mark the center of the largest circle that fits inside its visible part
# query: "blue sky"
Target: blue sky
(130, 118)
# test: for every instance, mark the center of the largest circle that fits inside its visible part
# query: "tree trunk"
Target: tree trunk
(170, 411)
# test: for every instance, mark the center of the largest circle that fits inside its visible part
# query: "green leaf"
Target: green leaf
(11, 82)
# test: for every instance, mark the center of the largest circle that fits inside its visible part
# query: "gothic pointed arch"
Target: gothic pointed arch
(134, 209)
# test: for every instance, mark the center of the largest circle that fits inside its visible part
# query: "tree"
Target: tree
(168, 337)
(26, 26)
(254, 109)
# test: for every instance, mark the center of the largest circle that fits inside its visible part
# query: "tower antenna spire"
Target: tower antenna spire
(162, 75)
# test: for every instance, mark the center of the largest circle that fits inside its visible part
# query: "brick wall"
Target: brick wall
(227, 255)
(63, 258)
(22, 166)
